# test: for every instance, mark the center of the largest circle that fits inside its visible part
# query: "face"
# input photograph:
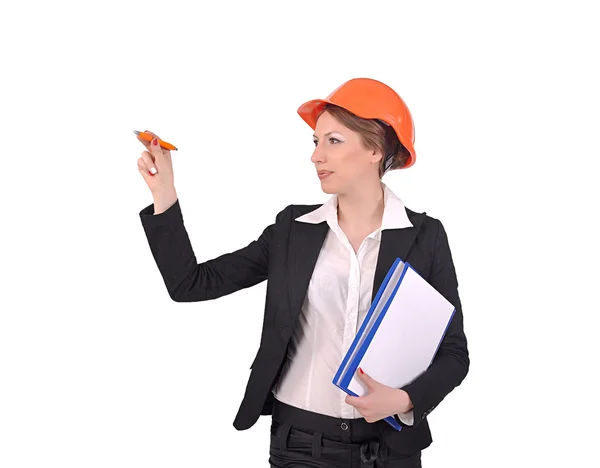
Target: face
(340, 159)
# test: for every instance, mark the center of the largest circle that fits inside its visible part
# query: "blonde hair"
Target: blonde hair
(375, 135)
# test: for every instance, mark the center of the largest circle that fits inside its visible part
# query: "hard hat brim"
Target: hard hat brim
(310, 110)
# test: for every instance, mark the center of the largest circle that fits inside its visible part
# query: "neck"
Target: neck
(362, 207)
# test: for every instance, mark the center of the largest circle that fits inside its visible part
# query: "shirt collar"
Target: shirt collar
(394, 212)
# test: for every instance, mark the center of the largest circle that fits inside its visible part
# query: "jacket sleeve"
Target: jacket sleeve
(186, 279)
(451, 362)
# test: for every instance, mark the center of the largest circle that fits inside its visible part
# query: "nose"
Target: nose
(318, 155)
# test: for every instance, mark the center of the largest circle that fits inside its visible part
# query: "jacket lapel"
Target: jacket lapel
(306, 241)
(395, 243)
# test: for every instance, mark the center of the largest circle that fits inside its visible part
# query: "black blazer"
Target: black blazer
(285, 255)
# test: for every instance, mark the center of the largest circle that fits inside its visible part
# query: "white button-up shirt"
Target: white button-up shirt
(337, 301)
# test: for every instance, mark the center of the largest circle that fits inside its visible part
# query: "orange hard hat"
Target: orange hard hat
(368, 99)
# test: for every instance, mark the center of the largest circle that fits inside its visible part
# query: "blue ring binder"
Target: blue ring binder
(368, 329)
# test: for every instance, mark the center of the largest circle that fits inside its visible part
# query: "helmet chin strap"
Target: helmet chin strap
(389, 159)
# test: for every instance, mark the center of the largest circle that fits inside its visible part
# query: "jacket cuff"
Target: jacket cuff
(169, 216)
(420, 409)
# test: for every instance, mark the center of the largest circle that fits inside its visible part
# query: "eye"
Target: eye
(331, 139)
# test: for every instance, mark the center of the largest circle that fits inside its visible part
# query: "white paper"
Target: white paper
(408, 337)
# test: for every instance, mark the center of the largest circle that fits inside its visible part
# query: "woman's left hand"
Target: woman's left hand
(380, 401)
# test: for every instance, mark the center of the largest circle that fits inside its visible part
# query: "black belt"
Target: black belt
(339, 432)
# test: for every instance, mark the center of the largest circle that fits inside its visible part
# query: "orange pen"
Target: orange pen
(148, 137)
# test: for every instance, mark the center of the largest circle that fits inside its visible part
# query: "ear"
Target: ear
(375, 156)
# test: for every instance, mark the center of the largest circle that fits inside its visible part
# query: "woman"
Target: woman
(324, 264)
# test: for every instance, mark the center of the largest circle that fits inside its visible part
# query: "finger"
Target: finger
(150, 162)
(155, 150)
(144, 168)
(146, 143)
(365, 378)
(354, 401)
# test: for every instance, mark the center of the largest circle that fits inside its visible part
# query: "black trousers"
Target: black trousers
(302, 438)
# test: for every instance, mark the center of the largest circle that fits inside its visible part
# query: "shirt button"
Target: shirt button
(344, 426)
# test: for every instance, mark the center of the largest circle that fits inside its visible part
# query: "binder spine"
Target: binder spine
(363, 348)
(342, 370)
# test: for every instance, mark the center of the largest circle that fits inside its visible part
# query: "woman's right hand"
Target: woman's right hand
(156, 167)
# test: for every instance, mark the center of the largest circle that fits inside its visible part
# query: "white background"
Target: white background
(99, 368)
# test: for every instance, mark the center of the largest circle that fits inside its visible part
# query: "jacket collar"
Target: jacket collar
(394, 212)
